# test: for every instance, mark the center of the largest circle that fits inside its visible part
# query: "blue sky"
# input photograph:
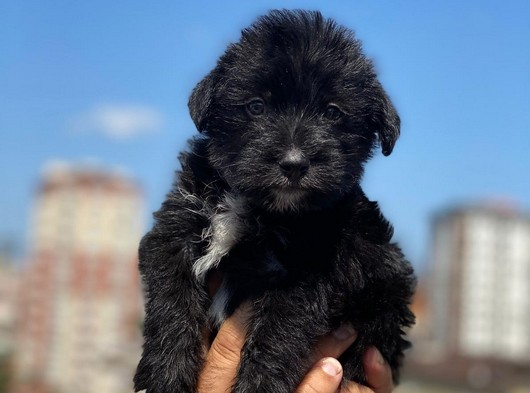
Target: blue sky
(109, 81)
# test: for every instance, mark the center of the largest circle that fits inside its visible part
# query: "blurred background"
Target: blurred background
(93, 112)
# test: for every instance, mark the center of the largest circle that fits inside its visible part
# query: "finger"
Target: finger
(324, 377)
(335, 343)
(378, 372)
(219, 371)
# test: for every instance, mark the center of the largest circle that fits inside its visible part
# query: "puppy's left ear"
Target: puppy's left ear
(200, 102)
(385, 120)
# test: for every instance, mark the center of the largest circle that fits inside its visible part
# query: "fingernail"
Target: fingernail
(345, 332)
(376, 357)
(331, 367)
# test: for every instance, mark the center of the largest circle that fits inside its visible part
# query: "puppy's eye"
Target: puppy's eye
(332, 112)
(256, 107)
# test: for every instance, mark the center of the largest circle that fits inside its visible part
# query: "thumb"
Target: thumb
(324, 377)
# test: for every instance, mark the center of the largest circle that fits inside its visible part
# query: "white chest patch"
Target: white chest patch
(227, 225)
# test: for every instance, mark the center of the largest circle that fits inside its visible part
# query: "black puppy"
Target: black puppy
(269, 197)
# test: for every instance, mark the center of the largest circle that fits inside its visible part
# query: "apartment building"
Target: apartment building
(80, 295)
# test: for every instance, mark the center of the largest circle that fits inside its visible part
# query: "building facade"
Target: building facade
(80, 295)
(480, 284)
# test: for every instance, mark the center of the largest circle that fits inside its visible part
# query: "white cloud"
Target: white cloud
(120, 121)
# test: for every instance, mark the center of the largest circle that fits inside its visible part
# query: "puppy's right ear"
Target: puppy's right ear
(200, 102)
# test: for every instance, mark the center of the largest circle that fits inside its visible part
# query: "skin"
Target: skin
(325, 376)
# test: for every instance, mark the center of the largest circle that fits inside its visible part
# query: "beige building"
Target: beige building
(480, 283)
(476, 328)
(81, 303)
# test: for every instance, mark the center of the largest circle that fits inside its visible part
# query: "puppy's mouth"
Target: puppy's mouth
(291, 186)
(287, 198)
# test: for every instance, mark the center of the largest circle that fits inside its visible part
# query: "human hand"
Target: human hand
(326, 375)
(222, 360)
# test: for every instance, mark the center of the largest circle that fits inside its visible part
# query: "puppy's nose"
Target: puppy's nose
(294, 165)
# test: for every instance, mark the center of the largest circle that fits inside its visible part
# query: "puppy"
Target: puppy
(268, 197)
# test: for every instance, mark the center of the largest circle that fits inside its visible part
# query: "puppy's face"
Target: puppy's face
(293, 111)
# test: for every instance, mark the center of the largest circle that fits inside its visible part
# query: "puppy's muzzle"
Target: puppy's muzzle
(294, 165)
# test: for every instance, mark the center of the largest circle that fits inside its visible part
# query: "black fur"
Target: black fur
(310, 251)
